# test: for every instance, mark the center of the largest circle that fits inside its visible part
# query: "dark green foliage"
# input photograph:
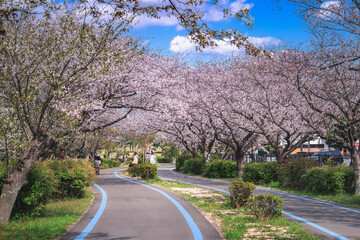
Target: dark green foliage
(291, 173)
(265, 207)
(50, 179)
(164, 160)
(35, 192)
(170, 152)
(193, 166)
(330, 180)
(109, 163)
(72, 176)
(3, 176)
(145, 170)
(260, 173)
(240, 193)
(181, 160)
(220, 169)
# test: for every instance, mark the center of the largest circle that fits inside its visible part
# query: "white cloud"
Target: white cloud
(240, 5)
(329, 8)
(265, 41)
(144, 21)
(214, 15)
(182, 44)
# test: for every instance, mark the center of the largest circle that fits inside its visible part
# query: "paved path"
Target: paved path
(320, 218)
(134, 211)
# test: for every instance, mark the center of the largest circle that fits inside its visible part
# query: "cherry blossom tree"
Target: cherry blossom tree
(332, 98)
(63, 73)
(271, 102)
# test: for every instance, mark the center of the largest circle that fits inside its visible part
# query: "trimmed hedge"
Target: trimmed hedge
(164, 160)
(144, 170)
(260, 173)
(330, 180)
(291, 174)
(240, 193)
(181, 160)
(265, 207)
(220, 169)
(193, 166)
(109, 163)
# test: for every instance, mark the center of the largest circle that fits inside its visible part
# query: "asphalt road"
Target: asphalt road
(134, 211)
(320, 218)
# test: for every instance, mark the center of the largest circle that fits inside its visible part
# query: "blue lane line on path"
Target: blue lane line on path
(286, 213)
(286, 194)
(316, 226)
(194, 228)
(97, 216)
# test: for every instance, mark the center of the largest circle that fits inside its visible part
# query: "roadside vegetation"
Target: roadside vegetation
(55, 219)
(301, 176)
(54, 196)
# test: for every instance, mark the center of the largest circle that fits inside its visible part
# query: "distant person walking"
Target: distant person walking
(135, 158)
(153, 158)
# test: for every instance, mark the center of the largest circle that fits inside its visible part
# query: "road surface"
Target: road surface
(127, 209)
(320, 218)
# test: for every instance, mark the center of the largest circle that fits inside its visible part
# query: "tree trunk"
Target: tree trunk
(355, 155)
(207, 151)
(18, 176)
(281, 157)
(239, 156)
(207, 156)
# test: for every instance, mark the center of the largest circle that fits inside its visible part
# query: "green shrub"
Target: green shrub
(240, 193)
(109, 163)
(104, 166)
(220, 169)
(291, 173)
(72, 176)
(3, 176)
(330, 180)
(144, 170)
(164, 160)
(35, 192)
(54, 178)
(265, 207)
(260, 173)
(181, 160)
(193, 166)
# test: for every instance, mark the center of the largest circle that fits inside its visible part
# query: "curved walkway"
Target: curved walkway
(138, 211)
(320, 218)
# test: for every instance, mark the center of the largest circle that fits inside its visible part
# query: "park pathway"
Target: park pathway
(133, 210)
(319, 217)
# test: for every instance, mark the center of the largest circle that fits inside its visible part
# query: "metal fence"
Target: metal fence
(264, 157)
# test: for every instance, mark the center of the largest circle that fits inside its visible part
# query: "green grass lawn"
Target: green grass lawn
(56, 218)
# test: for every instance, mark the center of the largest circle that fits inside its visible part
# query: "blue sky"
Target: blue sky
(272, 25)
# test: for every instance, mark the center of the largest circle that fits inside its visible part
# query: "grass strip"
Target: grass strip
(340, 198)
(235, 223)
(56, 218)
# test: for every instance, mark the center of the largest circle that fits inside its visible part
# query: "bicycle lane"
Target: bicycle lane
(319, 218)
(135, 211)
